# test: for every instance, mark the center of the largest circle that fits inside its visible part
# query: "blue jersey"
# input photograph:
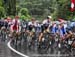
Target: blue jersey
(54, 29)
(62, 31)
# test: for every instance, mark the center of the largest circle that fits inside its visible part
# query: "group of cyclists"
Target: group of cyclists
(65, 29)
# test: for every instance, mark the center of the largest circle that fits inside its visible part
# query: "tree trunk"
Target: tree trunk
(11, 10)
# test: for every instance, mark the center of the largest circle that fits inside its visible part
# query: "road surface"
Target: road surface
(5, 51)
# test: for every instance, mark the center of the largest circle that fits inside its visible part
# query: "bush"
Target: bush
(24, 14)
(22, 17)
(24, 11)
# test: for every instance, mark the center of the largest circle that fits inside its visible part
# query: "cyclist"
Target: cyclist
(1, 24)
(15, 25)
(38, 26)
(31, 26)
(24, 25)
(7, 22)
(45, 27)
(61, 31)
(31, 32)
(54, 28)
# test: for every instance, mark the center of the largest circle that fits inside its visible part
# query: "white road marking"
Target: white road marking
(8, 44)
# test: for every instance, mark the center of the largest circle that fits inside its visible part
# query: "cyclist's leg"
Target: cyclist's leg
(73, 44)
(40, 37)
(11, 31)
(41, 34)
(19, 39)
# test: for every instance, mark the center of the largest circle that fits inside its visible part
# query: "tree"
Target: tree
(41, 8)
(11, 7)
(2, 10)
(24, 13)
(37, 8)
(63, 10)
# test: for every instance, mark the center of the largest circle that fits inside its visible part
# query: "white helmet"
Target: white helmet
(49, 17)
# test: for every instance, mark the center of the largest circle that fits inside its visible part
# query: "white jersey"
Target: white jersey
(33, 24)
(72, 24)
(65, 26)
(38, 25)
(46, 22)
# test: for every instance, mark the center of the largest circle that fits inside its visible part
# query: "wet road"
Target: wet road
(33, 52)
(6, 52)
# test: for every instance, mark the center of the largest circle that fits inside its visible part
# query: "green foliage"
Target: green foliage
(24, 14)
(17, 9)
(23, 17)
(38, 9)
(2, 12)
(24, 11)
(63, 10)
(1, 2)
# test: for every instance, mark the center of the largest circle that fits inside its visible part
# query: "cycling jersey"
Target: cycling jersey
(38, 27)
(6, 24)
(72, 24)
(54, 29)
(45, 24)
(1, 23)
(62, 31)
(15, 25)
(24, 24)
(65, 25)
(31, 25)
(68, 29)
